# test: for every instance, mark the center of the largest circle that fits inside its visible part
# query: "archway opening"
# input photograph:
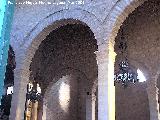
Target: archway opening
(140, 31)
(66, 93)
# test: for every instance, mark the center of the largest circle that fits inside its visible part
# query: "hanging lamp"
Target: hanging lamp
(125, 74)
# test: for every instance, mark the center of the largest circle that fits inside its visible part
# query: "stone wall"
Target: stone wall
(66, 99)
(61, 100)
(132, 102)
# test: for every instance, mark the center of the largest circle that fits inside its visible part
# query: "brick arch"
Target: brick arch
(112, 24)
(52, 22)
(117, 16)
(33, 40)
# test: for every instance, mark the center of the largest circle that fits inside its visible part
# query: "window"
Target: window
(141, 77)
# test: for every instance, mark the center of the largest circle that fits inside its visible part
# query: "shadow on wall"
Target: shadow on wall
(65, 100)
(57, 99)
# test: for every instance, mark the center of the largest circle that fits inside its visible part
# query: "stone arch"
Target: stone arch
(33, 40)
(33, 45)
(112, 24)
(61, 18)
(50, 23)
(117, 16)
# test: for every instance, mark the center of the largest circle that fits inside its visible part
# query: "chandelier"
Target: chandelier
(125, 74)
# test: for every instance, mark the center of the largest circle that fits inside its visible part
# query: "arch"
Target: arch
(117, 16)
(52, 22)
(112, 24)
(61, 18)
(115, 19)
(33, 40)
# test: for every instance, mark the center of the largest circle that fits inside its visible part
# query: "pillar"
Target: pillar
(40, 110)
(152, 91)
(28, 110)
(21, 79)
(44, 117)
(106, 89)
(90, 107)
(34, 110)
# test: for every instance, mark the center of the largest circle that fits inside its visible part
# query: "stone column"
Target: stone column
(28, 110)
(106, 89)
(19, 96)
(152, 91)
(34, 110)
(44, 117)
(90, 107)
(40, 110)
